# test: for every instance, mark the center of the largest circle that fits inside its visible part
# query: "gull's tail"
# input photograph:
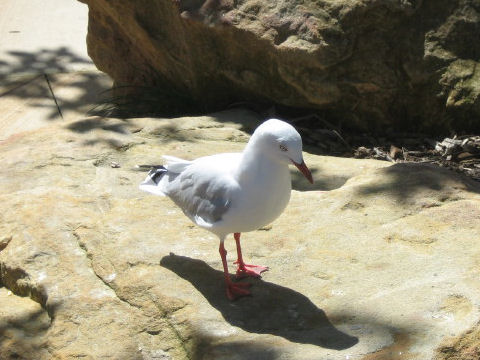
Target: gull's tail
(153, 182)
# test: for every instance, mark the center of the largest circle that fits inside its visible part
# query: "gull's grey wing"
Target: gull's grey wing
(204, 190)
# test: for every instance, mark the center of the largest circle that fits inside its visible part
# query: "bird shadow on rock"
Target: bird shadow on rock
(272, 309)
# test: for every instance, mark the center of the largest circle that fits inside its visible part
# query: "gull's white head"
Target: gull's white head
(281, 142)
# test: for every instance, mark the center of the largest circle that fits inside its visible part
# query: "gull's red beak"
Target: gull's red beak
(304, 170)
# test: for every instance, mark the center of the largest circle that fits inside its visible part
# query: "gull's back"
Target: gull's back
(203, 188)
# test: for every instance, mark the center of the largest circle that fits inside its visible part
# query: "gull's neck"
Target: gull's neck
(256, 163)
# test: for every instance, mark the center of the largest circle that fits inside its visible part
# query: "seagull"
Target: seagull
(234, 192)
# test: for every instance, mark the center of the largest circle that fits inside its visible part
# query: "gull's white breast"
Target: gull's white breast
(262, 197)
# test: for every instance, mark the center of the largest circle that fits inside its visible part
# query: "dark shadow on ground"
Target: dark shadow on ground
(321, 181)
(23, 333)
(108, 129)
(404, 181)
(43, 61)
(37, 76)
(85, 125)
(243, 350)
(272, 309)
(300, 183)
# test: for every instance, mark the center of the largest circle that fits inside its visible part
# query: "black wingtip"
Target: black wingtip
(149, 167)
(156, 173)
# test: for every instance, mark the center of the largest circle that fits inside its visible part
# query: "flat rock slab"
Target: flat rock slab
(385, 264)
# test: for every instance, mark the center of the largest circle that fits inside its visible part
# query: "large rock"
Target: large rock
(384, 265)
(372, 64)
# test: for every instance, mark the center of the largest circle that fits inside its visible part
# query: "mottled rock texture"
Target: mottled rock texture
(383, 265)
(365, 64)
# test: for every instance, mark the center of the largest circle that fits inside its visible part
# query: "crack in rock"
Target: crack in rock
(5, 241)
(164, 313)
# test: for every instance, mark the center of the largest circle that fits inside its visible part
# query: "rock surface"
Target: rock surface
(365, 64)
(384, 265)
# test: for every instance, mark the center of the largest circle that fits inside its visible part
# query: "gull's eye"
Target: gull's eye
(283, 147)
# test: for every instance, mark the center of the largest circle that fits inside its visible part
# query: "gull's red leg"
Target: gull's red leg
(246, 269)
(234, 290)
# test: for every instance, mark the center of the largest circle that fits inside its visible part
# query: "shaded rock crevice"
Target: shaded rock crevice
(4, 242)
(24, 326)
(17, 280)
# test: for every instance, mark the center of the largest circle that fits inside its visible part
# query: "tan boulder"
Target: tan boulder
(376, 64)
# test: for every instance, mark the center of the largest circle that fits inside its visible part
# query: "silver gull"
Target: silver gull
(234, 192)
